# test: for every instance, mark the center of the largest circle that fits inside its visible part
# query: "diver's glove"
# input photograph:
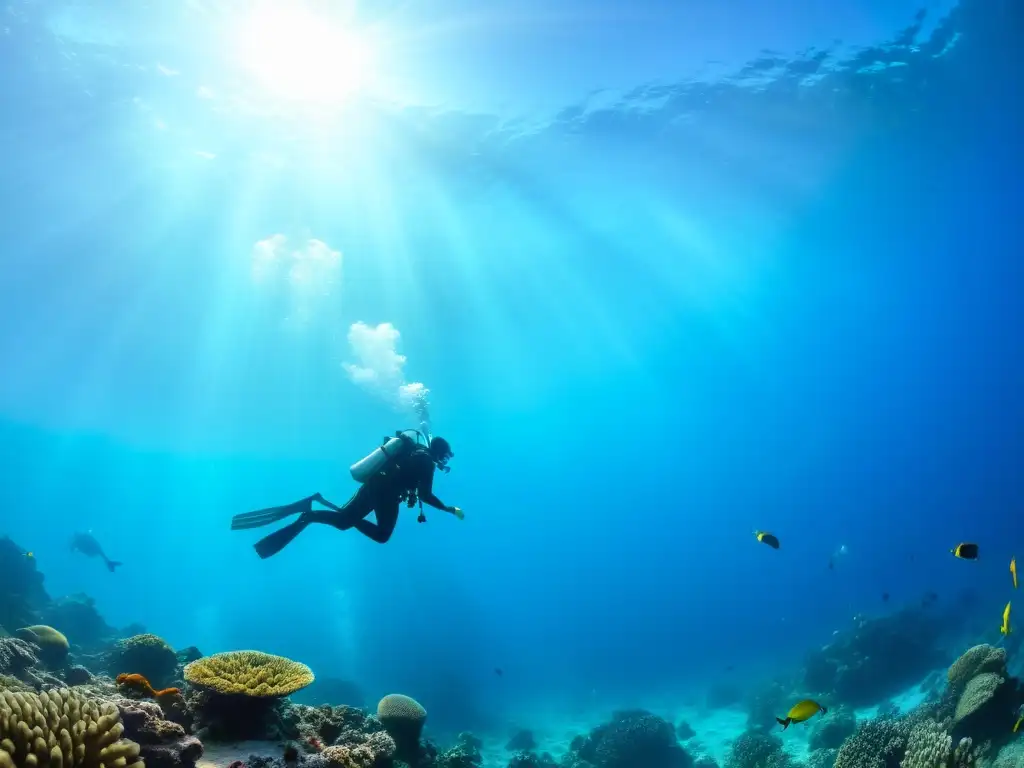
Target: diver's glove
(457, 512)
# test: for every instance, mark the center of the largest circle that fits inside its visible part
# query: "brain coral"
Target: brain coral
(975, 661)
(248, 673)
(61, 729)
(147, 655)
(403, 718)
(53, 646)
(874, 745)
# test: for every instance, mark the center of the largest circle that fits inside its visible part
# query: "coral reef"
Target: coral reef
(62, 728)
(53, 646)
(403, 718)
(16, 656)
(822, 758)
(878, 743)
(973, 662)
(147, 655)
(632, 737)
(876, 657)
(756, 749)
(162, 743)
(930, 746)
(465, 754)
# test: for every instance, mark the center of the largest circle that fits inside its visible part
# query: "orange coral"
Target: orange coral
(140, 685)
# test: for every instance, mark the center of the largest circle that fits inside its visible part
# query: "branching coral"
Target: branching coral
(147, 655)
(249, 673)
(878, 743)
(62, 729)
(754, 749)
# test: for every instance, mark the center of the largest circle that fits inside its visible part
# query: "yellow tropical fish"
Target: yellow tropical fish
(1017, 724)
(767, 538)
(1013, 571)
(1005, 629)
(30, 555)
(801, 711)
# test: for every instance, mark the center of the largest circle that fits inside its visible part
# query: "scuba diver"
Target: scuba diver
(401, 469)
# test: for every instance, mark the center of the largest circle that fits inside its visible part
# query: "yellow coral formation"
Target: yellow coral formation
(61, 729)
(248, 673)
(52, 644)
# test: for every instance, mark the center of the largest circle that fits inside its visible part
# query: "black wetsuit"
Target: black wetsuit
(383, 494)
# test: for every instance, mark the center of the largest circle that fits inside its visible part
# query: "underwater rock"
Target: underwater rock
(521, 741)
(162, 743)
(684, 731)
(876, 657)
(632, 737)
(23, 596)
(77, 675)
(830, 732)
(707, 761)
(188, 655)
(78, 619)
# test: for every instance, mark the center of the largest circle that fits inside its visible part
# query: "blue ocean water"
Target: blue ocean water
(669, 274)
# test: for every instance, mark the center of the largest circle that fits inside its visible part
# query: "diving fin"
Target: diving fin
(271, 515)
(270, 545)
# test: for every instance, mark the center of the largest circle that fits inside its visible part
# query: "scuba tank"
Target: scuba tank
(377, 460)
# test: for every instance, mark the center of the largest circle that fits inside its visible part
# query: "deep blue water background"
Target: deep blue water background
(647, 329)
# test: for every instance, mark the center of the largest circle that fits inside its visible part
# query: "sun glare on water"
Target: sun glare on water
(297, 55)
